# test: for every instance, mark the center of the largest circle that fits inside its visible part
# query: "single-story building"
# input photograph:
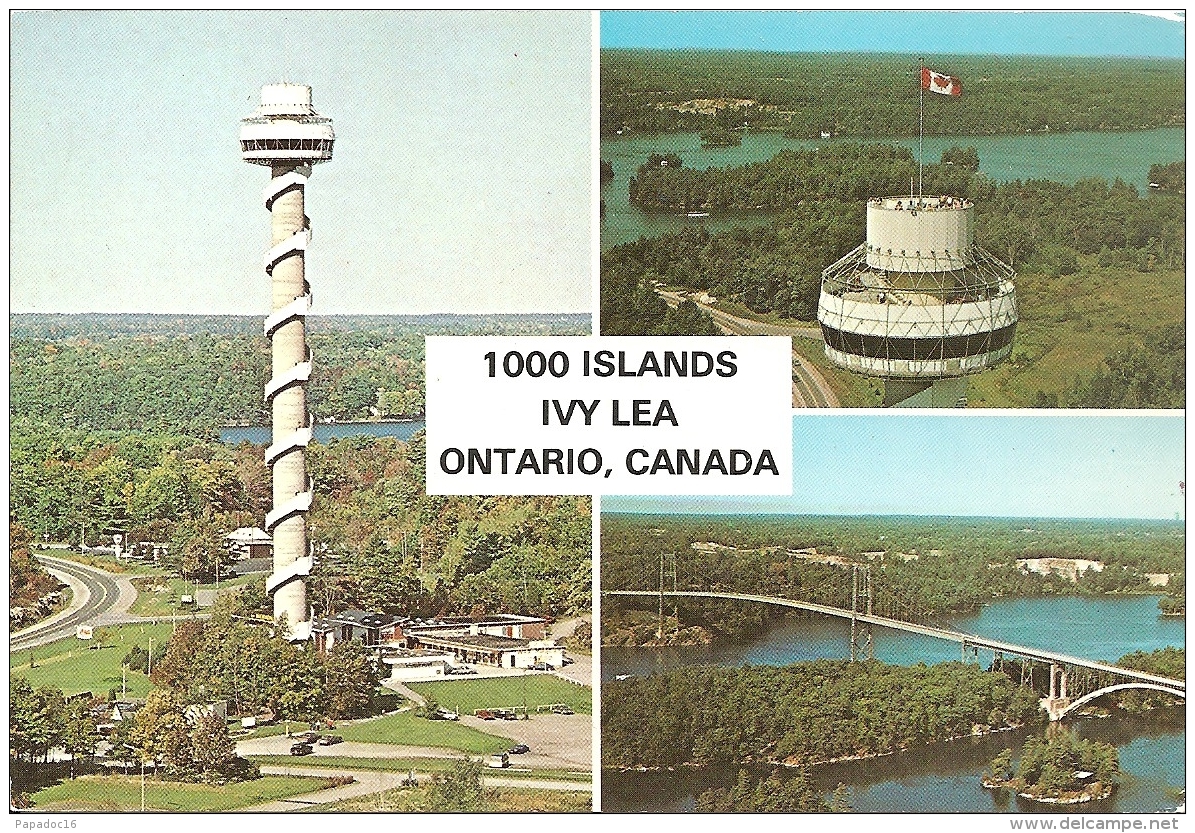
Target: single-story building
(497, 624)
(371, 629)
(249, 542)
(485, 649)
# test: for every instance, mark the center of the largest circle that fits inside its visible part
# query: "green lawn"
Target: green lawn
(408, 730)
(70, 665)
(166, 602)
(1070, 323)
(405, 764)
(122, 793)
(532, 690)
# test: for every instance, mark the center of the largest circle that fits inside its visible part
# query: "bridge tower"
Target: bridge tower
(288, 136)
(862, 645)
(918, 304)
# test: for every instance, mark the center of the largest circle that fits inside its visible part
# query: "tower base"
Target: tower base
(921, 393)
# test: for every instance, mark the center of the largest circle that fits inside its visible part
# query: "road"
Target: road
(96, 593)
(809, 386)
(367, 783)
(557, 741)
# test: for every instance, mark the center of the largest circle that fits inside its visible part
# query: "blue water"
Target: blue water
(943, 777)
(260, 434)
(1062, 157)
(1104, 628)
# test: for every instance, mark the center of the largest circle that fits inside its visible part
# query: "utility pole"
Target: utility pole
(675, 605)
(660, 629)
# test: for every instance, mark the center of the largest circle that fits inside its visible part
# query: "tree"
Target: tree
(81, 734)
(352, 678)
(161, 733)
(1000, 767)
(459, 790)
(196, 548)
(213, 750)
(36, 719)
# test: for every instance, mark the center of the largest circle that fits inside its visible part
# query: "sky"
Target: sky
(934, 32)
(460, 180)
(1024, 465)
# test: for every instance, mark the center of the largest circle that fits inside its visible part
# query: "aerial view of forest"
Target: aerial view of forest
(1099, 260)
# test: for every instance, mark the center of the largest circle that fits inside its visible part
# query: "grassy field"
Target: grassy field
(152, 601)
(504, 800)
(70, 665)
(532, 690)
(122, 793)
(408, 730)
(406, 764)
(1070, 323)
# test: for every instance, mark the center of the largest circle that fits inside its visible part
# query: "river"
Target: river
(1062, 157)
(1152, 748)
(260, 434)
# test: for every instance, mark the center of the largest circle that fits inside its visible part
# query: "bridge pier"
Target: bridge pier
(1056, 704)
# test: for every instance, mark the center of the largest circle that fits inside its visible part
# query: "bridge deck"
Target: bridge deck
(925, 630)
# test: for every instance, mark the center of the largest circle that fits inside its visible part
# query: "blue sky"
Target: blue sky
(932, 32)
(1064, 465)
(460, 183)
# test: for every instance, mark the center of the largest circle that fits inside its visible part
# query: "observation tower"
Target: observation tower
(918, 304)
(288, 136)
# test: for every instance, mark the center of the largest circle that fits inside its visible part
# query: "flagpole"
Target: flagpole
(920, 125)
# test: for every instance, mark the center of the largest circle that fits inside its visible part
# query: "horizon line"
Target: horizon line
(883, 515)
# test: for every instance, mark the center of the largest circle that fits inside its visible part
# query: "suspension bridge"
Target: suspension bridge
(1074, 681)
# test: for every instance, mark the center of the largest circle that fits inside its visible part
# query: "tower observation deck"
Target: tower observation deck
(286, 134)
(918, 302)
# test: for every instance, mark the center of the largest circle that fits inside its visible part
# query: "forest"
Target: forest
(876, 94)
(383, 543)
(110, 428)
(922, 568)
(194, 374)
(1083, 252)
(801, 714)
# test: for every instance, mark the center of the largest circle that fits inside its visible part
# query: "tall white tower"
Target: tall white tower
(289, 136)
(918, 304)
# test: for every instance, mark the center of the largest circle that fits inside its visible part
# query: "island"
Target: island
(1061, 769)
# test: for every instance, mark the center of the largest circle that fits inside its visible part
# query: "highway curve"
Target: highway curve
(102, 591)
(809, 388)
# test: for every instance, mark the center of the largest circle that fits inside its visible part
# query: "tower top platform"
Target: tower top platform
(286, 128)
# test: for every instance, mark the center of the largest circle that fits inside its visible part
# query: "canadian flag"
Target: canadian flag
(936, 82)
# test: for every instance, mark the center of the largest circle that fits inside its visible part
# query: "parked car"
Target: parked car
(307, 737)
(460, 670)
(498, 760)
(566, 661)
(543, 666)
(300, 748)
(518, 749)
(485, 714)
(562, 710)
(330, 740)
(445, 714)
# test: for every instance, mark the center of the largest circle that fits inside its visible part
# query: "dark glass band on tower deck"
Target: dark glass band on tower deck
(918, 349)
